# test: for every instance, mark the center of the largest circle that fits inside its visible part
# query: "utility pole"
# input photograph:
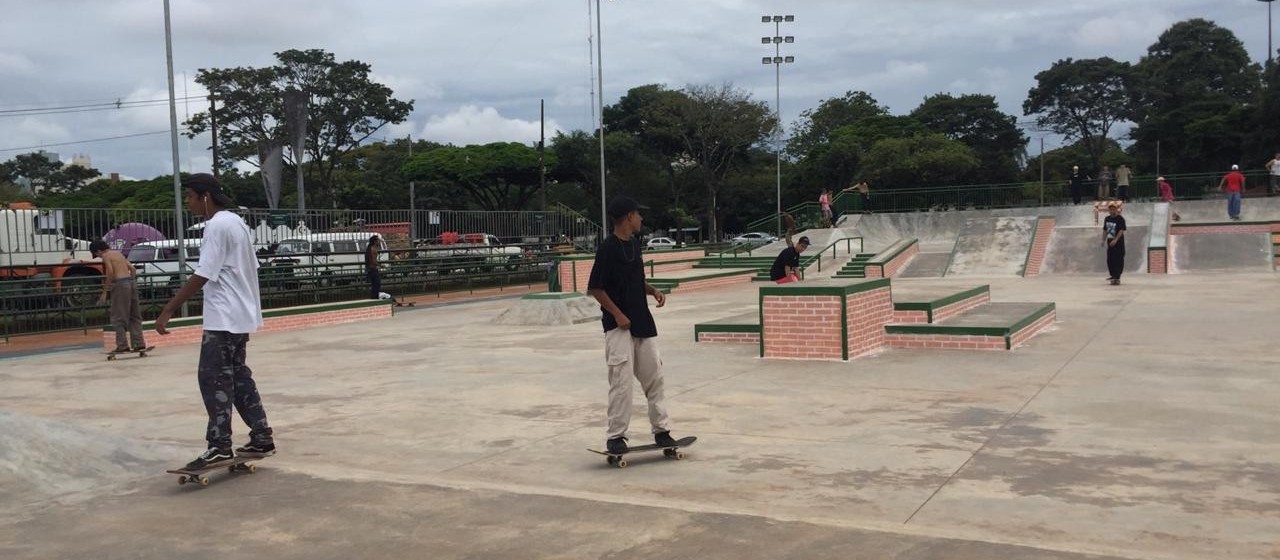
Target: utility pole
(542, 161)
(213, 132)
(413, 215)
(1042, 171)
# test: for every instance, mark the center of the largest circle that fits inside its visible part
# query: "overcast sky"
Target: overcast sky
(476, 69)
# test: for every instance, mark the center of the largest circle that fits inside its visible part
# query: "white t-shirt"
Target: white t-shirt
(1274, 166)
(232, 301)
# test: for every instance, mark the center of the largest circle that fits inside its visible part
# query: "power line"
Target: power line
(109, 138)
(103, 106)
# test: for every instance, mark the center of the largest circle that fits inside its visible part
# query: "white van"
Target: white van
(157, 262)
(326, 255)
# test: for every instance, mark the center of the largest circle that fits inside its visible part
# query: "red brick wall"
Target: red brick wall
(192, 333)
(961, 306)
(1157, 261)
(802, 327)
(1033, 329)
(867, 314)
(730, 337)
(946, 342)
(1044, 231)
(910, 317)
(894, 266)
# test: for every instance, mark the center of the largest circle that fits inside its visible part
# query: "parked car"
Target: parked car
(662, 243)
(755, 238)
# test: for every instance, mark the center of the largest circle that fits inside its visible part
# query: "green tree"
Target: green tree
(498, 176)
(1192, 94)
(816, 126)
(345, 107)
(977, 122)
(1082, 99)
(917, 161)
(716, 127)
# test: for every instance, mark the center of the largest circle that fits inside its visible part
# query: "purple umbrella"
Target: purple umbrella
(125, 236)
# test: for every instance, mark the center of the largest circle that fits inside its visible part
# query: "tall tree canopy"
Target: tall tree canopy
(1192, 94)
(345, 107)
(976, 121)
(1082, 99)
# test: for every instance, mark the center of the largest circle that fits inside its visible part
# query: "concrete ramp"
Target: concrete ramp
(1079, 250)
(1220, 252)
(992, 247)
(41, 459)
(936, 231)
(1214, 210)
(926, 265)
(819, 239)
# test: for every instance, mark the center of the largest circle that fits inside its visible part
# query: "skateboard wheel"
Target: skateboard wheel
(679, 456)
(182, 480)
(204, 481)
(669, 452)
(252, 468)
(109, 358)
(622, 463)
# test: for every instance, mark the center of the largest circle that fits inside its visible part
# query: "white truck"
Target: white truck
(40, 263)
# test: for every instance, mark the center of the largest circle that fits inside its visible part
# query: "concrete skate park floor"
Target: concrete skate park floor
(1141, 426)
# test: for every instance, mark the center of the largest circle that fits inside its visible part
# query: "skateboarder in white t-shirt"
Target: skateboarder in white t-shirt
(228, 274)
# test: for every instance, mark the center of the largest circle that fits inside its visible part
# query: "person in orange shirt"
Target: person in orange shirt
(1233, 184)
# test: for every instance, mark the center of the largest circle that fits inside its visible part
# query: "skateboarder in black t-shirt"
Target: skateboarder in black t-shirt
(1113, 229)
(786, 268)
(631, 349)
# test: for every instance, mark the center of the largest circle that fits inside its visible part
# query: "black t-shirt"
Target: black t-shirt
(1113, 225)
(619, 271)
(788, 257)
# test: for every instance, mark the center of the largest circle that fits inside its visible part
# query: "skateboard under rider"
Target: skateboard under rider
(142, 352)
(671, 451)
(240, 464)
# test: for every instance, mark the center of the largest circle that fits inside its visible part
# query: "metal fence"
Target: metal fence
(1187, 186)
(47, 230)
(30, 306)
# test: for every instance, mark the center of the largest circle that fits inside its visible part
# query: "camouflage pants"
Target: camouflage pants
(225, 381)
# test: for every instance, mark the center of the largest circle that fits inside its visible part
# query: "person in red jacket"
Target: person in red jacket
(1233, 184)
(1166, 195)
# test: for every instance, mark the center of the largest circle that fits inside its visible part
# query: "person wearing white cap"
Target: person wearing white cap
(1233, 184)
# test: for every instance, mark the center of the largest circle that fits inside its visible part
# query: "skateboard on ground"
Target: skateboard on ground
(241, 463)
(671, 451)
(141, 353)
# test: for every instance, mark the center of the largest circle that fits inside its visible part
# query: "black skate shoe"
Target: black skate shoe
(210, 457)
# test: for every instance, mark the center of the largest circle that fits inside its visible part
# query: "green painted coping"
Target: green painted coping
(930, 306)
(799, 289)
(280, 312)
(1005, 332)
(553, 295)
(724, 328)
(886, 256)
(1179, 225)
(678, 281)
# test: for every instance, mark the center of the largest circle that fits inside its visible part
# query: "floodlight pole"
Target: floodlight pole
(173, 147)
(777, 61)
(604, 216)
(1270, 52)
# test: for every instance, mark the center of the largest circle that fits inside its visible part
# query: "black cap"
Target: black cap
(204, 183)
(621, 206)
(803, 239)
